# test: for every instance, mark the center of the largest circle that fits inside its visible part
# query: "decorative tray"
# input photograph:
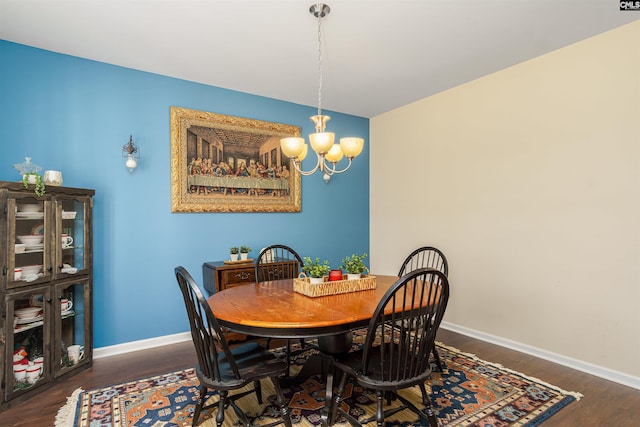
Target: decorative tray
(240, 261)
(302, 286)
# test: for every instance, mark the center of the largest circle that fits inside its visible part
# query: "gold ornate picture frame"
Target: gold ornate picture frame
(223, 163)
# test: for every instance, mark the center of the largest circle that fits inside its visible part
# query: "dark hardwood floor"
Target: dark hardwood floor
(605, 403)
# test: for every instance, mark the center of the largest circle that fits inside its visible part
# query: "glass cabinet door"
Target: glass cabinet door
(72, 312)
(72, 227)
(26, 347)
(29, 246)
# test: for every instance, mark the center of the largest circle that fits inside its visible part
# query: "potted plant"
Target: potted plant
(36, 179)
(233, 253)
(30, 175)
(244, 252)
(315, 269)
(354, 266)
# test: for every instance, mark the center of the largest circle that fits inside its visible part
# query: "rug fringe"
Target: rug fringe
(574, 394)
(67, 414)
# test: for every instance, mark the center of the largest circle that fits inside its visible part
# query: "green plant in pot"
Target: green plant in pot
(36, 179)
(354, 265)
(244, 252)
(233, 253)
(30, 175)
(315, 269)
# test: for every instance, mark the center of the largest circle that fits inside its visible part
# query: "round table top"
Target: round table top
(273, 309)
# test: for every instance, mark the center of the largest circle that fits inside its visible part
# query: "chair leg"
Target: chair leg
(431, 415)
(380, 408)
(284, 409)
(199, 405)
(328, 410)
(221, 405)
(425, 396)
(438, 361)
(258, 389)
(337, 400)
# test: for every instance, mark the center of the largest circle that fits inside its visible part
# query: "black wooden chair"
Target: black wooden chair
(401, 360)
(278, 262)
(222, 369)
(425, 257)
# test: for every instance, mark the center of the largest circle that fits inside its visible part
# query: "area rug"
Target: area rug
(469, 392)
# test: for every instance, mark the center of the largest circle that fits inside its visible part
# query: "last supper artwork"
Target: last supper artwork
(223, 163)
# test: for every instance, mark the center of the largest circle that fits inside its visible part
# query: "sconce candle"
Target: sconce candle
(131, 153)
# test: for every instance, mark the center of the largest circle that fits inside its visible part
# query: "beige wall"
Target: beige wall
(529, 180)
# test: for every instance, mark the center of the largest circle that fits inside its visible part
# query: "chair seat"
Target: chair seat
(375, 377)
(253, 361)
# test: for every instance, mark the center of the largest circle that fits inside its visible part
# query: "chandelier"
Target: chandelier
(322, 143)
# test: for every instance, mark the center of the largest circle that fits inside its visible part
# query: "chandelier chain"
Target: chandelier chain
(320, 15)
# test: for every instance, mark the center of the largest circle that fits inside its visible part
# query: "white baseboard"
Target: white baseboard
(127, 347)
(589, 368)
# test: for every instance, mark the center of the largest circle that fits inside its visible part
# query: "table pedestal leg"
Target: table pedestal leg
(316, 364)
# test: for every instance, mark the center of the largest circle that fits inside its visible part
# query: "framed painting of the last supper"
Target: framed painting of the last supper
(223, 163)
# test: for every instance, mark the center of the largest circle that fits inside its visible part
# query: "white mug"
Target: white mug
(20, 372)
(33, 373)
(65, 304)
(66, 240)
(39, 362)
(75, 352)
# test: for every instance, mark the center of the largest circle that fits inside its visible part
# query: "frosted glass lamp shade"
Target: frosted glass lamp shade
(321, 142)
(351, 147)
(334, 154)
(292, 147)
(301, 156)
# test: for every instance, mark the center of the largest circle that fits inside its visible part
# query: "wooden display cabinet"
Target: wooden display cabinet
(46, 288)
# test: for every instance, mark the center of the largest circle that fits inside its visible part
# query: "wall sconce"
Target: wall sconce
(131, 153)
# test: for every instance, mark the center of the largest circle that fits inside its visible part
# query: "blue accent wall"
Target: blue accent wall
(74, 115)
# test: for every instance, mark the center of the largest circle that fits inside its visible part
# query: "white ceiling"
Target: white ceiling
(377, 55)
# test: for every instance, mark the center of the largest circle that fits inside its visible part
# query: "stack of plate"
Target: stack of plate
(28, 315)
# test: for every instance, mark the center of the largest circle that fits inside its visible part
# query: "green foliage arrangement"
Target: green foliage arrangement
(233, 250)
(245, 249)
(354, 264)
(315, 268)
(39, 188)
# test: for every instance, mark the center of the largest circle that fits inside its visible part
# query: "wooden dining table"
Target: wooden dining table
(273, 309)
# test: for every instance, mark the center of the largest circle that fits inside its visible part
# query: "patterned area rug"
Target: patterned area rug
(470, 392)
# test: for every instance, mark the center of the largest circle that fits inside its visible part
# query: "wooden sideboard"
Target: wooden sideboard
(217, 275)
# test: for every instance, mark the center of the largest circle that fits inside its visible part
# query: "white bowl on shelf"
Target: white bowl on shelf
(27, 312)
(20, 247)
(69, 215)
(31, 269)
(31, 239)
(30, 208)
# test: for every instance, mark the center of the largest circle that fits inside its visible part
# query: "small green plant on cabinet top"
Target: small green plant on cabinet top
(39, 186)
(354, 264)
(233, 250)
(245, 249)
(315, 268)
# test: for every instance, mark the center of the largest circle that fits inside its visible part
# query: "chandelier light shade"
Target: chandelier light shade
(131, 153)
(323, 143)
